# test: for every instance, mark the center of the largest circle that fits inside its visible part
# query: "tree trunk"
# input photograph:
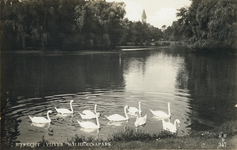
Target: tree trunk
(23, 43)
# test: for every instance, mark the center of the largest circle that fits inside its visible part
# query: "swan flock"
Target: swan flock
(88, 114)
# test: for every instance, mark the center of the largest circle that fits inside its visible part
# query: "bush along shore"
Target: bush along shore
(225, 137)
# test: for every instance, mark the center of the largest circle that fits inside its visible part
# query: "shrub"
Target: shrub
(157, 43)
(211, 46)
(131, 134)
(166, 44)
(147, 43)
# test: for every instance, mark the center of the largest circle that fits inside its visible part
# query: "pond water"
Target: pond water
(201, 90)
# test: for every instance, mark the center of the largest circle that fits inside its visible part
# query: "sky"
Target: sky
(159, 12)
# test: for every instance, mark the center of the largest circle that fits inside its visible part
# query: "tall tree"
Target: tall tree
(210, 24)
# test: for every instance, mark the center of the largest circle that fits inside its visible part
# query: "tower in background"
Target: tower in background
(143, 16)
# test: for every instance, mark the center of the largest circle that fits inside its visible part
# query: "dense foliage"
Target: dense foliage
(207, 24)
(69, 25)
(60, 24)
(138, 33)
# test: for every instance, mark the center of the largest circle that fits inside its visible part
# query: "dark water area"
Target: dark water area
(202, 90)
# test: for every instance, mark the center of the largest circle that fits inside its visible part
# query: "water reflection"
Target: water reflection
(212, 84)
(117, 124)
(201, 90)
(63, 116)
(41, 125)
(49, 75)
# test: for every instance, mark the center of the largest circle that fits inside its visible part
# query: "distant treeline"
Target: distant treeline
(69, 25)
(81, 25)
(207, 25)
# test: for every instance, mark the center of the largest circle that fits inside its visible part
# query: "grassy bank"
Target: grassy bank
(173, 143)
(131, 139)
(178, 143)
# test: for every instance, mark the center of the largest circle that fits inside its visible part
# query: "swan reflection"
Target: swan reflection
(91, 131)
(63, 115)
(63, 118)
(41, 125)
(117, 124)
(87, 130)
(159, 118)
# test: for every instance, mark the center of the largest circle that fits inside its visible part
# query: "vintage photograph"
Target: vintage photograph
(118, 74)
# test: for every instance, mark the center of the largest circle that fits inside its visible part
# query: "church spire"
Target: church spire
(143, 16)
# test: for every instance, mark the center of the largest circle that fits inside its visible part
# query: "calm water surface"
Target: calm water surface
(201, 90)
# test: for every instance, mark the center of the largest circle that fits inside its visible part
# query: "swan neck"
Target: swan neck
(79, 122)
(95, 109)
(48, 125)
(175, 122)
(48, 116)
(98, 133)
(125, 112)
(97, 120)
(139, 107)
(163, 122)
(137, 118)
(71, 106)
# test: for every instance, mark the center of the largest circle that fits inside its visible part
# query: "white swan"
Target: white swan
(169, 126)
(134, 110)
(41, 119)
(117, 117)
(64, 110)
(88, 114)
(162, 114)
(140, 121)
(90, 125)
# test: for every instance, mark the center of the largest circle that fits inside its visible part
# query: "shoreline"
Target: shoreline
(118, 49)
(131, 139)
(204, 142)
(83, 52)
